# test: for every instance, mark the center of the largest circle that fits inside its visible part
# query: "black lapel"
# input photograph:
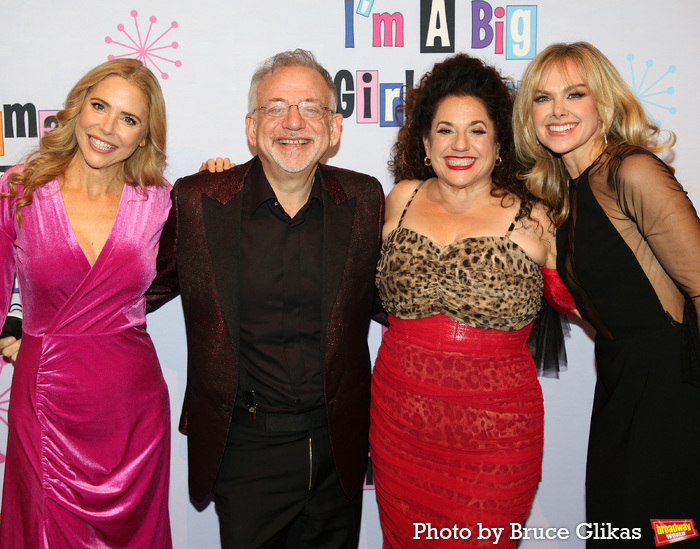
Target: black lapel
(338, 221)
(222, 225)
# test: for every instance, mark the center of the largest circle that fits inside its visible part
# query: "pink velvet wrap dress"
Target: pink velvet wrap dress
(88, 451)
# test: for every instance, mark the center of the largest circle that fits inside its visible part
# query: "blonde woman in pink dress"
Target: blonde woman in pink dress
(89, 434)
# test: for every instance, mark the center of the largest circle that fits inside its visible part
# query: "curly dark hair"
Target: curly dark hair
(459, 75)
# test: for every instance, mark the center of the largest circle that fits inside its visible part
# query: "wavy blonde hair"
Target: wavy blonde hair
(58, 147)
(624, 120)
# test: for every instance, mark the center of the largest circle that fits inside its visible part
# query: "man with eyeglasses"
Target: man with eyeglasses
(275, 261)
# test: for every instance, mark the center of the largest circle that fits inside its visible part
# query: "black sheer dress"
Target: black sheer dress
(630, 254)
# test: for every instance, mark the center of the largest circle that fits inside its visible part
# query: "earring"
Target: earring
(605, 136)
(427, 161)
(499, 161)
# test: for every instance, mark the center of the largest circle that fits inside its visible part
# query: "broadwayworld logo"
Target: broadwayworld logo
(671, 531)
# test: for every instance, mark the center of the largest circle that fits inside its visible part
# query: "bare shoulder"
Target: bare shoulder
(540, 215)
(403, 189)
(546, 232)
(396, 201)
(536, 235)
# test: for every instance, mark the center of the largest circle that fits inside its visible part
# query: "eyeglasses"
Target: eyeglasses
(311, 110)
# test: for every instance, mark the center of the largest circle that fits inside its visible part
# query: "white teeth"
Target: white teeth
(101, 144)
(293, 141)
(460, 161)
(561, 128)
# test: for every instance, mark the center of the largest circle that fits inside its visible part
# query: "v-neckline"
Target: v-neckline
(74, 239)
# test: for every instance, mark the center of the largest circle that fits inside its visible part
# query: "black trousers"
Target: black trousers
(280, 490)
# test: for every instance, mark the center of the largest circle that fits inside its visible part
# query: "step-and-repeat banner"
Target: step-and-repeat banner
(204, 53)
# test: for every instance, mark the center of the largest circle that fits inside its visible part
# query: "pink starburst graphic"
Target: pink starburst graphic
(142, 49)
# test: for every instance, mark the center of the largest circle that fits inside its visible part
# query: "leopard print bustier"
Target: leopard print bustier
(485, 282)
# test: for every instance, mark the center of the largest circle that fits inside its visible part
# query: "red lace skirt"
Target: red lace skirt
(456, 433)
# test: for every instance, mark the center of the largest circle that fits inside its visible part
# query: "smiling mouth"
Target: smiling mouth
(293, 142)
(101, 145)
(561, 128)
(460, 162)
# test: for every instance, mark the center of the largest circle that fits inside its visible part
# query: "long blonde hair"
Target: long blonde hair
(623, 119)
(58, 147)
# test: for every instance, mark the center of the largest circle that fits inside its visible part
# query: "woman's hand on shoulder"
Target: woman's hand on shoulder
(216, 165)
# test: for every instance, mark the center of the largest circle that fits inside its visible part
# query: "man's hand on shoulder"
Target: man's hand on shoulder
(10, 347)
(218, 165)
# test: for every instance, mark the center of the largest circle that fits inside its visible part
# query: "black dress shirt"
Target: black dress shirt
(280, 270)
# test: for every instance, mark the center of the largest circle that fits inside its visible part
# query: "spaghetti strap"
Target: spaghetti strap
(512, 225)
(409, 203)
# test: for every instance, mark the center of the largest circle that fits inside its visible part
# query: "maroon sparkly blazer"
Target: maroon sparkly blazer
(198, 259)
